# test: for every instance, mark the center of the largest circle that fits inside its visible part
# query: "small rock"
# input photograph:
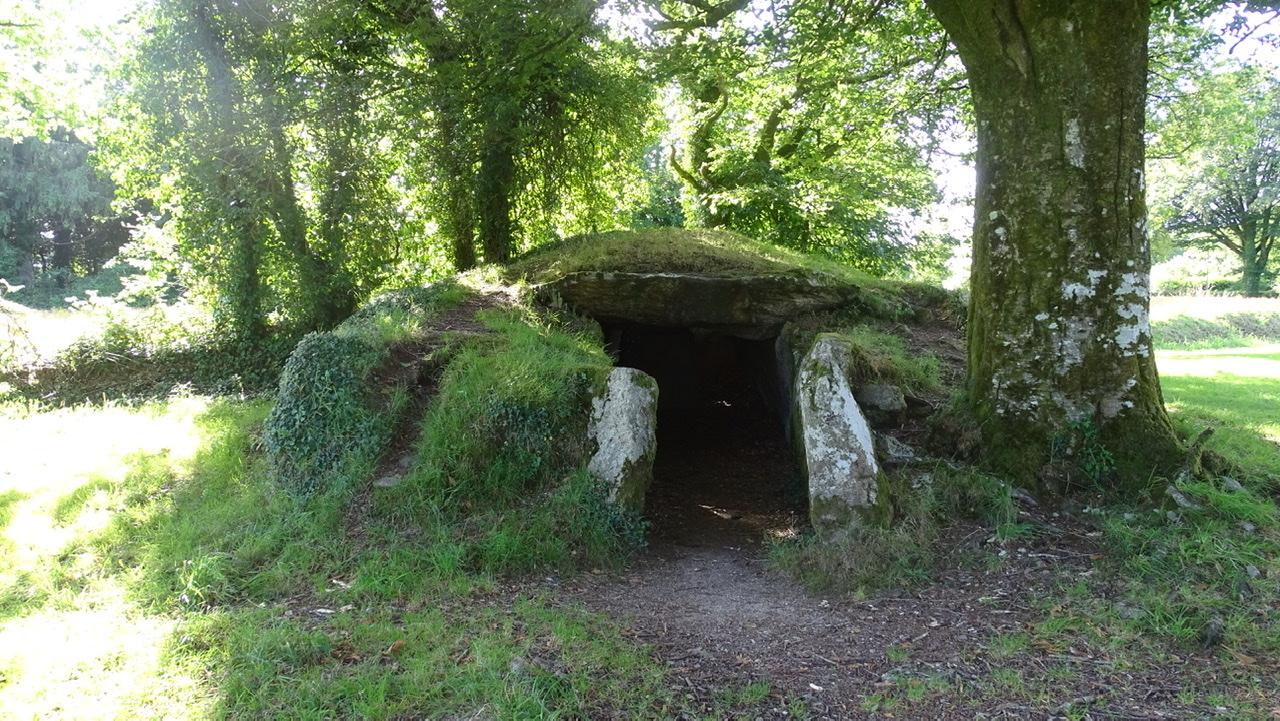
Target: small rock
(1125, 611)
(1252, 571)
(883, 404)
(892, 452)
(1022, 496)
(1231, 484)
(1211, 634)
(1173, 517)
(1247, 527)
(881, 397)
(1179, 499)
(390, 480)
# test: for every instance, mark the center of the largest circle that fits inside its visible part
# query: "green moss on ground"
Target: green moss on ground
(669, 250)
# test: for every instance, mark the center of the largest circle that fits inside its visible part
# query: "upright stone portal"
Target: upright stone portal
(839, 451)
(623, 427)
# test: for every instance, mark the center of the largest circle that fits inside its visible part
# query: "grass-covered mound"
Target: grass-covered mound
(468, 401)
(475, 403)
(500, 468)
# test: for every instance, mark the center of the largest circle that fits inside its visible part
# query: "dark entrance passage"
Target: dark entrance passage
(725, 474)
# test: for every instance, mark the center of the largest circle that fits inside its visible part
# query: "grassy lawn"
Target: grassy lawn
(148, 569)
(1237, 392)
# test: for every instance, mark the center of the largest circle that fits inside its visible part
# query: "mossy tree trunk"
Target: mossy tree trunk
(1058, 319)
(495, 188)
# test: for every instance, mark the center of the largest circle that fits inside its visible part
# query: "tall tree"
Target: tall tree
(526, 100)
(802, 118)
(1058, 317)
(54, 207)
(1232, 199)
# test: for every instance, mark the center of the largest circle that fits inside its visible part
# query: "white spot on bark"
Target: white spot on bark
(1132, 284)
(1076, 291)
(1042, 317)
(1071, 143)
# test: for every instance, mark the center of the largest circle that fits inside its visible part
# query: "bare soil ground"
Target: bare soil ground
(719, 618)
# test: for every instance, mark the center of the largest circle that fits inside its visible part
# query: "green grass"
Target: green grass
(1170, 574)
(176, 576)
(1236, 392)
(1207, 322)
(906, 551)
(880, 356)
(159, 572)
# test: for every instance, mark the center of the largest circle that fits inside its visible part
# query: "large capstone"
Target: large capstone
(839, 451)
(750, 306)
(623, 428)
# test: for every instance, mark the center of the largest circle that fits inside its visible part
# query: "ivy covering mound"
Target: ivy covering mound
(340, 397)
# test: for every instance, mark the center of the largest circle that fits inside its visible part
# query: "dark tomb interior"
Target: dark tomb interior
(725, 473)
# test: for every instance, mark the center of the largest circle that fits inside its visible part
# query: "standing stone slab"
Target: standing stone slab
(623, 427)
(838, 447)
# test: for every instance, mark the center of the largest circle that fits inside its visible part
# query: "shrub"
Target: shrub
(1197, 271)
(1228, 331)
(334, 414)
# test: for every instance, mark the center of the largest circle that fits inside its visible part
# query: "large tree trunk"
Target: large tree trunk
(495, 189)
(1060, 353)
(459, 202)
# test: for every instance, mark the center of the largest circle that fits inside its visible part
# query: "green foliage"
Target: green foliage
(1080, 450)
(533, 111)
(904, 552)
(338, 400)
(784, 142)
(55, 215)
(1197, 271)
(1227, 196)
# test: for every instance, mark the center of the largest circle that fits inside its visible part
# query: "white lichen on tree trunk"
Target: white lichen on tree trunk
(1058, 321)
